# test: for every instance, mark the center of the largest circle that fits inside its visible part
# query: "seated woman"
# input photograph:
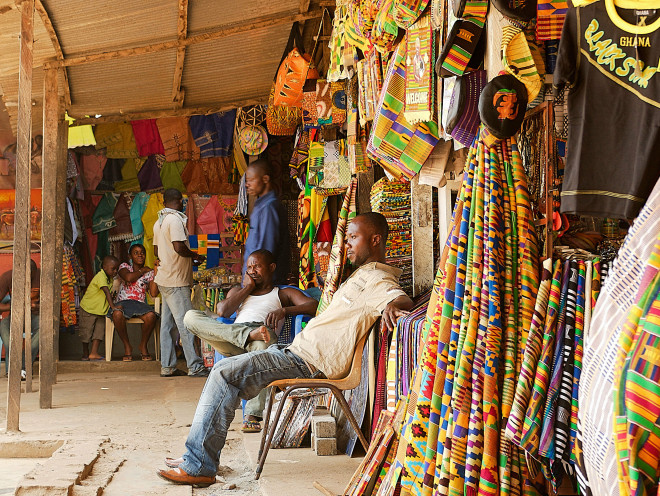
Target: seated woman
(132, 299)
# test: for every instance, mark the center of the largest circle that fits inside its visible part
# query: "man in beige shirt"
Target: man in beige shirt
(325, 346)
(174, 279)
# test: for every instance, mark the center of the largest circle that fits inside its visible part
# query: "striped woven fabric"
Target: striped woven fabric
(519, 61)
(398, 146)
(583, 293)
(550, 19)
(637, 388)
(336, 267)
(420, 80)
(406, 12)
(601, 347)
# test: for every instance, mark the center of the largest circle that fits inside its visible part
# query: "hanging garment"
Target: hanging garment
(178, 141)
(92, 169)
(209, 175)
(111, 174)
(137, 210)
(601, 346)
(117, 139)
(149, 218)
(80, 135)
(170, 175)
(123, 229)
(129, 179)
(149, 175)
(213, 133)
(147, 137)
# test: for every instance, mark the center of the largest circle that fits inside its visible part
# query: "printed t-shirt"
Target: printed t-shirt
(329, 340)
(174, 270)
(137, 290)
(613, 110)
(94, 301)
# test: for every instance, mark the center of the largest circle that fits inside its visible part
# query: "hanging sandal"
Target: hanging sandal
(251, 426)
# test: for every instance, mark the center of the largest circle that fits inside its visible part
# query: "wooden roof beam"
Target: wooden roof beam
(59, 54)
(157, 113)
(182, 32)
(239, 27)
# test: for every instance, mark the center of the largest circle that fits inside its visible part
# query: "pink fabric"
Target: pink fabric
(92, 169)
(147, 137)
(211, 217)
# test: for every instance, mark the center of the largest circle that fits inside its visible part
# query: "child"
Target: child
(94, 307)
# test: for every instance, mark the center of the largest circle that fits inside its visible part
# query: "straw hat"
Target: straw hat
(253, 139)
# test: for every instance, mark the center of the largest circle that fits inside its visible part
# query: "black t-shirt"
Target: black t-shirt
(613, 156)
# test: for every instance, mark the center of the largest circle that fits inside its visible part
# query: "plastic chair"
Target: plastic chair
(110, 332)
(351, 381)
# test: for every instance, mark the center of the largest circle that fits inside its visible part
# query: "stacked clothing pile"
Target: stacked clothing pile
(392, 199)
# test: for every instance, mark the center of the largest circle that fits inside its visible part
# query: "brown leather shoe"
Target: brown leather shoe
(179, 476)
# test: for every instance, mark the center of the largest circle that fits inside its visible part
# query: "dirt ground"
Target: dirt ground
(138, 418)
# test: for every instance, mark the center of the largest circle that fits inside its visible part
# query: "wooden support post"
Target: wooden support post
(178, 93)
(21, 266)
(48, 326)
(421, 202)
(60, 214)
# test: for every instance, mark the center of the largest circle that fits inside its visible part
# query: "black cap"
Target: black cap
(502, 106)
(518, 10)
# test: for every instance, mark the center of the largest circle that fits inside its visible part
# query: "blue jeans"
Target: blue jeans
(233, 379)
(176, 302)
(5, 333)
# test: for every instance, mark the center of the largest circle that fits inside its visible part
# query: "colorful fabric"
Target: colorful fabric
(460, 47)
(213, 134)
(550, 19)
(310, 116)
(147, 138)
(117, 139)
(385, 29)
(336, 170)
(207, 245)
(601, 347)
(637, 389)
(395, 144)
(407, 12)
(420, 87)
(170, 175)
(178, 141)
(338, 96)
(518, 60)
(323, 102)
(337, 266)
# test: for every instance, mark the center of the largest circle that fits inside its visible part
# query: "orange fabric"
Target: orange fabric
(291, 77)
(209, 176)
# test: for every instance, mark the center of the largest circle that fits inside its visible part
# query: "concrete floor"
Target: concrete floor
(128, 421)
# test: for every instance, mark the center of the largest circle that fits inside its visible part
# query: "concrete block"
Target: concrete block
(324, 426)
(325, 446)
(312, 439)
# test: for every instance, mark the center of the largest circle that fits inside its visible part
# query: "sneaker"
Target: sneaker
(203, 372)
(173, 373)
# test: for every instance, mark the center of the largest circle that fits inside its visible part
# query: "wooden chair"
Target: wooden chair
(351, 381)
(110, 332)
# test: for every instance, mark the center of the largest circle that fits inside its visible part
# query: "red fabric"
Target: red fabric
(147, 137)
(210, 219)
(380, 399)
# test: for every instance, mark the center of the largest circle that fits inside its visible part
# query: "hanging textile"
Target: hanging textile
(336, 268)
(313, 217)
(420, 79)
(117, 139)
(178, 141)
(596, 392)
(452, 430)
(137, 210)
(147, 137)
(149, 217)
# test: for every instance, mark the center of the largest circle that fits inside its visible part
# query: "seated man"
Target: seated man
(325, 346)
(5, 324)
(260, 310)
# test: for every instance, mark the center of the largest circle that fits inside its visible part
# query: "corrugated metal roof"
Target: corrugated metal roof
(216, 73)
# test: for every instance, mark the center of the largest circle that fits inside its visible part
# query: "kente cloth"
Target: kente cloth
(380, 396)
(138, 206)
(312, 216)
(420, 87)
(550, 16)
(532, 352)
(555, 432)
(583, 290)
(209, 176)
(92, 169)
(117, 139)
(337, 266)
(129, 179)
(323, 102)
(170, 175)
(338, 96)
(637, 388)
(315, 163)
(385, 29)
(147, 137)
(518, 60)
(149, 175)
(207, 245)
(398, 146)
(213, 133)
(407, 12)
(149, 217)
(483, 296)
(601, 346)
(178, 141)
(123, 228)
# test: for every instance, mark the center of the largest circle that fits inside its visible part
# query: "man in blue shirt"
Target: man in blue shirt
(268, 227)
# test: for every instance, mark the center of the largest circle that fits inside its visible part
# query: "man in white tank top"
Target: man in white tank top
(260, 309)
